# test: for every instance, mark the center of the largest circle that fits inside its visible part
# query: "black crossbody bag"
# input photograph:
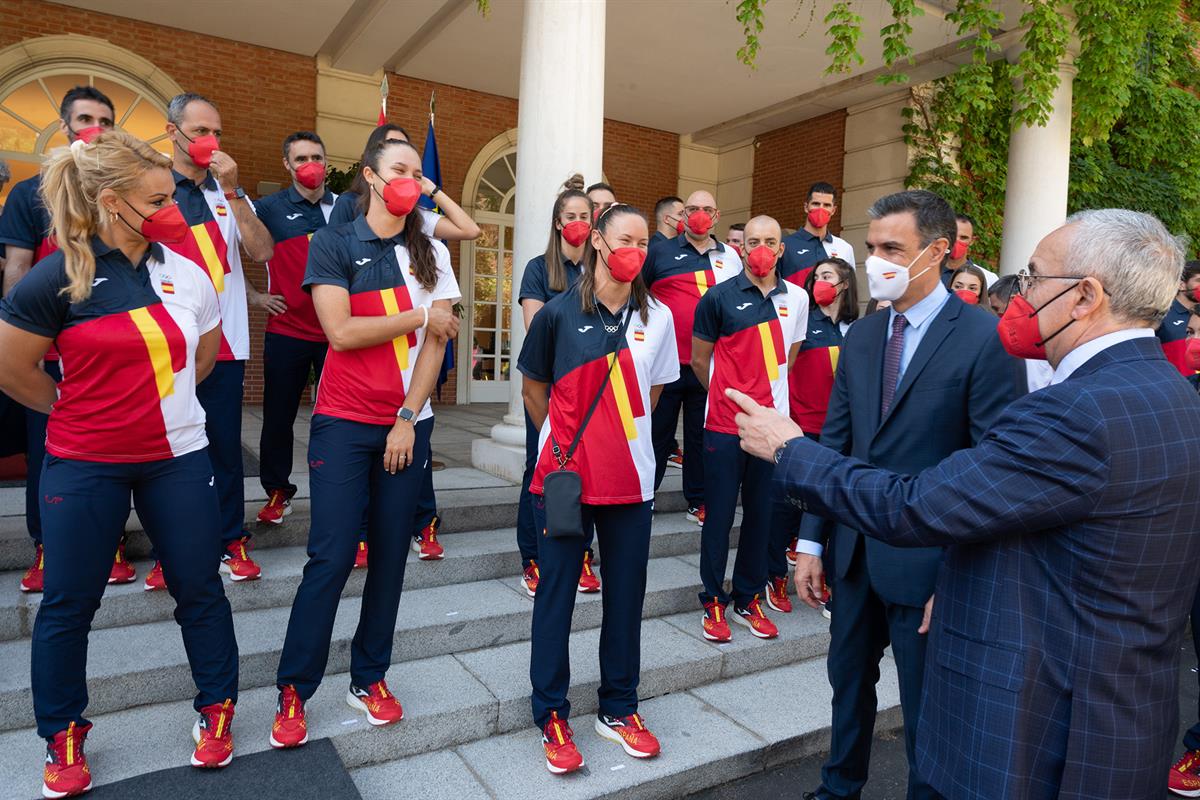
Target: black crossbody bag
(563, 489)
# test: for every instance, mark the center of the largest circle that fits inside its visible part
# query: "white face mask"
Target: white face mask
(889, 281)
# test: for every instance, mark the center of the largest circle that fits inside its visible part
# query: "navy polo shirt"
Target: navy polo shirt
(535, 283)
(679, 275)
(1173, 335)
(25, 221)
(292, 220)
(753, 334)
(801, 251)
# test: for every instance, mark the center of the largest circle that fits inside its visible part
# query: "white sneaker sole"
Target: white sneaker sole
(525, 586)
(146, 588)
(582, 590)
(772, 606)
(30, 591)
(50, 794)
(416, 548)
(359, 705)
(1185, 792)
(286, 510)
(114, 582)
(695, 519)
(709, 636)
(674, 464)
(560, 771)
(278, 745)
(228, 570)
(612, 736)
(196, 762)
(739, 619)
(827, 615)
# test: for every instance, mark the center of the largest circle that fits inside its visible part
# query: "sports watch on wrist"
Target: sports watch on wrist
(406, 414)
(237, 194)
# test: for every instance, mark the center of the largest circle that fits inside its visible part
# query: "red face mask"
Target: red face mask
(400, 195)
(625, 263)
(819, 217)
(1194, 294)
(679, 227)
(1019, 332)
(959, 250)
(576, 232)
(968, 297)
(165, 225)
(761, 260)
(700, 222)
(1191, 356)
(310, 174)
(824, 292)
(86, 135)
(201, 149)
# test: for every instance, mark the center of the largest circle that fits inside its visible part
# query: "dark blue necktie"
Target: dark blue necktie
(891, 364)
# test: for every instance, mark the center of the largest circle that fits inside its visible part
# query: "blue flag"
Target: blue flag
(431, 168)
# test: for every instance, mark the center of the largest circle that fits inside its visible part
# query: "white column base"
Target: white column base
(495, 457)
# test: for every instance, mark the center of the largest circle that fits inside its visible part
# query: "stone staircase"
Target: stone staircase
(460, 667)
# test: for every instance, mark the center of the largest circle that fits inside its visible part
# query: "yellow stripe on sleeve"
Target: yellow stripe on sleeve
(208, 252)
(769, 355)
(621, 393)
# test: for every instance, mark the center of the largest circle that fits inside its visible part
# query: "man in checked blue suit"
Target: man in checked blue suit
(913, 385)
(1070, 533)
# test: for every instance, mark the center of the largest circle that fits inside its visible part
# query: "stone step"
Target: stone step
(146, 664)
(480, 508)
(470, 556)
(453, 700)
(710, 735)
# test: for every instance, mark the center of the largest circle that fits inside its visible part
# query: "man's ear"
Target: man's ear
(1092, 294)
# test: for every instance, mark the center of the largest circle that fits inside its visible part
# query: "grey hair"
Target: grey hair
(1134, 257)
(5, 173)
(179, 104)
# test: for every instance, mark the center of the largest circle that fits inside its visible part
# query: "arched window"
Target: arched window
(38, 73)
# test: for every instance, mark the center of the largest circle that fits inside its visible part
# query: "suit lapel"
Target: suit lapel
(939, 328)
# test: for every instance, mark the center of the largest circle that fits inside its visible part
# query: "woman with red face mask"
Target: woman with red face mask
(603, 344)
(383, 292)
(136, 325)
(833, 291)
(545, 277)
(970, 284)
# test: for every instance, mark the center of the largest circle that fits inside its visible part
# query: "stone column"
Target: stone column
(558, 133)
(1039, 164)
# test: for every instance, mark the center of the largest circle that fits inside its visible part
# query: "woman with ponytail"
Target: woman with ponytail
(383, 292)
(603, 341)
(545, 277)
(136, 325)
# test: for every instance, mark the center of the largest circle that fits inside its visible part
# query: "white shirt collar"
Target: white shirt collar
(1084, 352)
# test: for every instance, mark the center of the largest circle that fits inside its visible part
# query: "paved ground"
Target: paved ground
(889, 767)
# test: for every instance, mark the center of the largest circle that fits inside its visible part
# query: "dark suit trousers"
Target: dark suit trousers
(1191, 740)
(863, 625)
(688, 395)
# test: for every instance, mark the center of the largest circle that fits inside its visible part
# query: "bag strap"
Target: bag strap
(558, 454)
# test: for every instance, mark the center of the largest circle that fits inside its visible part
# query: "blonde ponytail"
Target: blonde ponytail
(72, 179)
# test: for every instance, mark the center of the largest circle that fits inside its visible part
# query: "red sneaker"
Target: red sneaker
(1183, 779)
(380, 705)
(530, 579)
(290, 728)
(791, 551)
(33, 578)
(716, 627)
(562, 756)
(237, 564)
(360, 558)
(752, 617)
(696, 514)
(425, 543)
(278, 506)
(675, 459)
(154, 579)
(66, 773)
(588, 582)
(122, 571)
(777, 595)
(629, 732)
(213, 737)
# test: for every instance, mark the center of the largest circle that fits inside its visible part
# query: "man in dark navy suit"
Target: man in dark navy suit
(1070, 534)
(913, 385)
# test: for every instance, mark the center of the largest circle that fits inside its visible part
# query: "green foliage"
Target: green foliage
(339, 180)
(895, 38)
(1136, 127)
(845, 29)
(750, 13)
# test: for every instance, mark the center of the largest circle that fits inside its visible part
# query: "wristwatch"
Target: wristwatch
(779, 451)
(435, 190)
(237, 194)
(406, 414)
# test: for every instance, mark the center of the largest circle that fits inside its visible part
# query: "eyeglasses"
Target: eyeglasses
(689, 210)
(1025, 280)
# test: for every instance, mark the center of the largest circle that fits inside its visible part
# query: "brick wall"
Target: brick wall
(788, 160)
(641, 163)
